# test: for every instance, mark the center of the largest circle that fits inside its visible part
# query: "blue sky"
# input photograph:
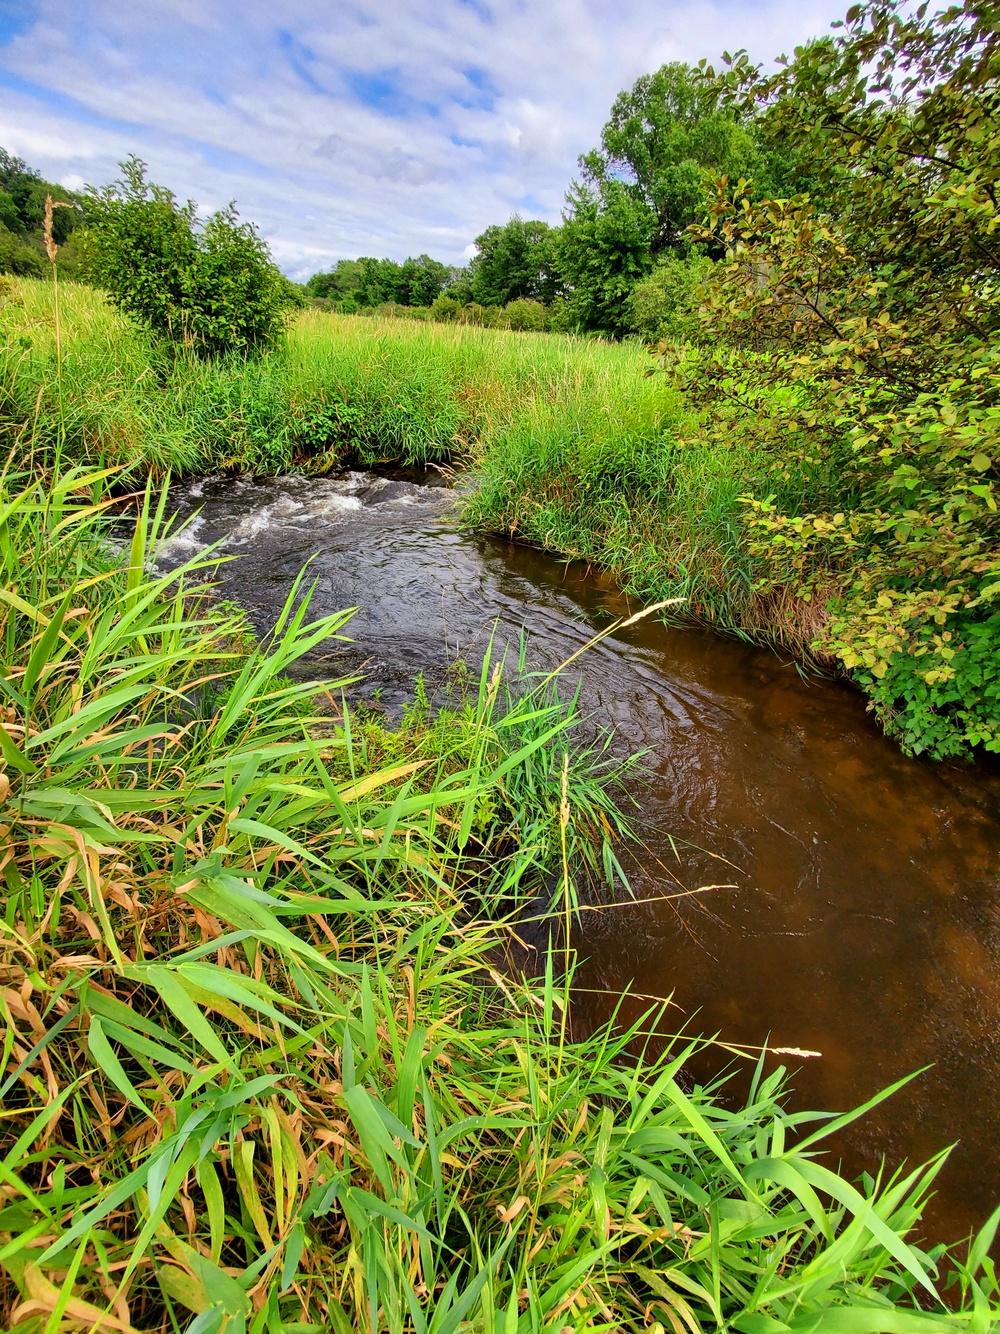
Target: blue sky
(351, 128)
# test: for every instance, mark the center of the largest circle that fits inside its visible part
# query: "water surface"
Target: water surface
(865, 920)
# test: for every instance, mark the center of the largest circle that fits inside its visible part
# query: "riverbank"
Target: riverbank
(573, 447)
(830, 896)
(261, 1066)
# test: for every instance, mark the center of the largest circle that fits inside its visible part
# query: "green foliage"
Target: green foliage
(665, 304)
(525, 314)
(340, 284)
(22, 217)
(211, 288)
(9, 216)
(20, 258)
(663, 136)
(444, 308)
(263, 1067)
(514, 262)
(855, 340)
(371, 283)
(338, 388)
(603, 250)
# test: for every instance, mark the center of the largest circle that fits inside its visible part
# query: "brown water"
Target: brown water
(866, 920)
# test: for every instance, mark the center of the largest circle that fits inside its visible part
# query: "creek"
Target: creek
(865, 919)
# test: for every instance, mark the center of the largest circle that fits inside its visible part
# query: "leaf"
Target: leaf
(172, 991)
(103, 1054)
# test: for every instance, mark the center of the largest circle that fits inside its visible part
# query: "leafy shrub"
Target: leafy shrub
(473, 313)
(936, 711)
(444, 308)
(393, 310)
(212, 288)
(527, 315)
(664, 305)
(18, 257)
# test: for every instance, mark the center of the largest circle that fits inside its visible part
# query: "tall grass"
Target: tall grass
(266, 1065)
(338, 388)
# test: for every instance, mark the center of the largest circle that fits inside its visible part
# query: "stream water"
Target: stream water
(865, 922)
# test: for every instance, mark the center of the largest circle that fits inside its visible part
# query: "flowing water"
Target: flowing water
(865, 919)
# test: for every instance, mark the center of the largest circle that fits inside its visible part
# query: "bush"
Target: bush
(664, 305)
(391, 310)
(527, 315)
(444, 308)
(473, 313)
(212, 287)
(19, 258)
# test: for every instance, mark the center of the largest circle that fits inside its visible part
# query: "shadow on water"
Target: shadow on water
(865, 924)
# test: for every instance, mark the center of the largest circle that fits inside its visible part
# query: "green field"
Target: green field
(339, 387)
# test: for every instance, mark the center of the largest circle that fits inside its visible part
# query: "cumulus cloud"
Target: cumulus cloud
(351, 128)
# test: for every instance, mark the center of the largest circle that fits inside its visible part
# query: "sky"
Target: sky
(363, 127)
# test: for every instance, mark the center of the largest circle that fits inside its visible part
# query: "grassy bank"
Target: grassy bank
(263, 1067)
(338, 388)
(574, 449)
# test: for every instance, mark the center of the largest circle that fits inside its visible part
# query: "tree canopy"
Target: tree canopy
(514, 262)
(662, 137)
(22, 215)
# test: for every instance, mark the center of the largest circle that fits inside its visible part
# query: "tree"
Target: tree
(604, 249)
(22, 215)
(211, 287)
(339, 284)
(425, 280)
(515, 261)
(9, 216)
(675, 129)
(662, 137)
(852, 339)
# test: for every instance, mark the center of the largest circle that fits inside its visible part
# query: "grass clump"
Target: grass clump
(264, 1067)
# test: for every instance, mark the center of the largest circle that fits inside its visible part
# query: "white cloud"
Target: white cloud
(355, 128)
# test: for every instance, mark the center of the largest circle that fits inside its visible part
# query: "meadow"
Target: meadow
(271, 1060)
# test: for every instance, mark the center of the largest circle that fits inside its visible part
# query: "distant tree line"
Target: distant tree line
(622, 260)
